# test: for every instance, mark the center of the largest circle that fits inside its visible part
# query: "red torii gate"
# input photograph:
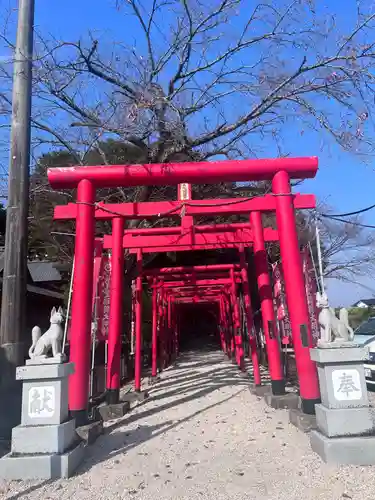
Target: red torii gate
(236, 236)
(207, 288)
(87, 179)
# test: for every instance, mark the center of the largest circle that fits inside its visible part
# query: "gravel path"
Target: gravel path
(202, 435)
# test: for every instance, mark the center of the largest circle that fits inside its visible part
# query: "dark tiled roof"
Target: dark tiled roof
(40, 271)
(43, 271)
(368, 302)
(43, 291)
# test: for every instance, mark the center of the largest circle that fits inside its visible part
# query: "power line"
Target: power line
(337, 219)
(356, 212)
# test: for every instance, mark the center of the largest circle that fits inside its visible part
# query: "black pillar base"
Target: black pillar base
(112, 396)
(80, 416)
(278, 387)
(308, 405)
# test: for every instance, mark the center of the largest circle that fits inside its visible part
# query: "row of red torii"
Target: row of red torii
(219, 286)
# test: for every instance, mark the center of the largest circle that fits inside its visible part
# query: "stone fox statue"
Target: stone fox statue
(50, 340)
(332, 328)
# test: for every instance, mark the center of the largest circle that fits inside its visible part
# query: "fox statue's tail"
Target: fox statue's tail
(344, 318)
(36, 333)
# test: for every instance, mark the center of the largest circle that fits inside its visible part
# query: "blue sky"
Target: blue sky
(344, 181)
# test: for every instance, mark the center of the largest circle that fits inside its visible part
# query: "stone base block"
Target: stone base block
(44, 467)
(71, 460)
(89, 433)
(43, 439)
(287, 401)
(359, 450)
(338, 353)
(303, 422)
(260, 390)
(111, 412)
(44, 371)
(45, 401)
(132, 397)
(154, 380)
(344, 422)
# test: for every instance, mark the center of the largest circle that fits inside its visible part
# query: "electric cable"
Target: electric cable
(353, 223)
(356, 212)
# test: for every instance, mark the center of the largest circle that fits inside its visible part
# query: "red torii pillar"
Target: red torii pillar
(116, 313)
(266, 302)
(80, 325)
(249, 319)
(138, 325)
(295, 292)
(239, 353)
(154, 356)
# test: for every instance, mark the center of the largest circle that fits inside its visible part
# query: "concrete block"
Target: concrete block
(29, 467)
(260, 390)
(303, 422)
(111, 412)
(339, 354)
(46, 361)
(359, 450)
(344, 353)
(44, 467)
(43, 439)
(45, 371)
(134, 396)
(44, 402)
(89, 433)
(344, 422)
(285, 401)
(343, 386)
(154, 380)
(71, 460)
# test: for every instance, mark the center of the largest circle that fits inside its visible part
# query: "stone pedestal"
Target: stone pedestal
(45, 445)
(345, 428)
(134, 396)
(282, 402)
(114, 411)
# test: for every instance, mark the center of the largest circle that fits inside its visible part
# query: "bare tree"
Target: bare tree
(348, 251)
(207, 79)
(347, 248)
(214, 77)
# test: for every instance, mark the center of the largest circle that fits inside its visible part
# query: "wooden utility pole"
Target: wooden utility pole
(13, 308)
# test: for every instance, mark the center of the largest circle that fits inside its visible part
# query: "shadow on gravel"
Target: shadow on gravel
(180, 389)
(211, 383)
(210, 377)
(114, 444)
(183, 383)
(29, 490)
(197, 386)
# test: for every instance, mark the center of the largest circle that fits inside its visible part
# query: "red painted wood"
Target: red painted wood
(222, 238)
(217, 206)
(162, 174)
